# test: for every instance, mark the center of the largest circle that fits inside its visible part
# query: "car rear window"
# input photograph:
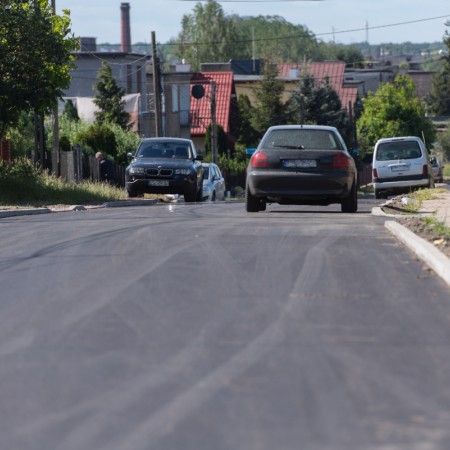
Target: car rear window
(387, 151)
(302, 138)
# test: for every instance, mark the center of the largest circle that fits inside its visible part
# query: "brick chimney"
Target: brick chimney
(125, 28)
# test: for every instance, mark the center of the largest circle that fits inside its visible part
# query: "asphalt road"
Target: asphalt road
(202, 327)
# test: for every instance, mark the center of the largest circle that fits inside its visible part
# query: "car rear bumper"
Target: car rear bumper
(286, 185)
(380, 185)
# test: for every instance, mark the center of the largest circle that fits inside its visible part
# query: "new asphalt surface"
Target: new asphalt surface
(438, 208)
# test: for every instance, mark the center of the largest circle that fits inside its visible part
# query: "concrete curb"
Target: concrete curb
(23, 212)
(71, 208)
(423, 249)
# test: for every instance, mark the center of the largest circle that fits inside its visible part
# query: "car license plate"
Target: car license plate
(299, 163)
(401, 168)
(158, 183)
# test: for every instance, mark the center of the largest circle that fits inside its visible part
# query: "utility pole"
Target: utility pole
(55, 124)
(213, 123)
(156, 88)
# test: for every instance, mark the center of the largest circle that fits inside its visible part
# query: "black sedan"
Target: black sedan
(165, 166)
(301, 165)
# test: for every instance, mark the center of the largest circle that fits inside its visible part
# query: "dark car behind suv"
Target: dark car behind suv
(165, 166)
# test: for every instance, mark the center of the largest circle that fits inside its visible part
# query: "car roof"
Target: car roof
(167, 139)
(400, 138)
(299, 127)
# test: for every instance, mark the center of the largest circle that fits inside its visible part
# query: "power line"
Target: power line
(307, 32)
(252, 1)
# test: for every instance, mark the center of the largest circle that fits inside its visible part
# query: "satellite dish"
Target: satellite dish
(198, 91)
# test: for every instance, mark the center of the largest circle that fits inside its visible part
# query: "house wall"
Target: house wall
(176, 109)
(127, 69)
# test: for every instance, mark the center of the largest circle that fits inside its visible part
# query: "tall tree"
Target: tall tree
(248, 136)
(269, 108)
(209, 35)
(439, 98)
(316, 102)
(109, 99)
(393, 110)
(35, 58)
(205, 35)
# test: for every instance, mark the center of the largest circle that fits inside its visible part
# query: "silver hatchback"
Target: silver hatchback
(400, 165)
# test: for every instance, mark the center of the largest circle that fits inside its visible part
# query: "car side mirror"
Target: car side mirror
(199, 158)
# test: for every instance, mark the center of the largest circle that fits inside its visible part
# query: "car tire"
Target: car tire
(199, 196)
(190, 196)
(252, 204)
(262, 205)
(213, 197)
(133, 194)
(350, 203)
(378, 194)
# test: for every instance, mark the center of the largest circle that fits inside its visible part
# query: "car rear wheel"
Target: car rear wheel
(350, 204)
(252, 204)
(379, 194)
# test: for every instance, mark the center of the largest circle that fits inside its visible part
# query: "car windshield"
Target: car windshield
(302, 138)
(164, 150)
(388, 151)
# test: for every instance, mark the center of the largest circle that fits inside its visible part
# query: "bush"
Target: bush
(100, 138)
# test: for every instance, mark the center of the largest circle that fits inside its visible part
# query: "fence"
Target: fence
(75, 166)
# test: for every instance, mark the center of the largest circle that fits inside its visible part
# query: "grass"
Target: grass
(440, 228)
(418, 197)
(21, 184)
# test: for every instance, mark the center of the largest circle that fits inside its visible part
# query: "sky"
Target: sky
(341, 21)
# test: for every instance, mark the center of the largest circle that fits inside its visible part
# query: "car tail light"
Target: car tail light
(260, 159)
(374, 174)
(425, 170)
(340, 161)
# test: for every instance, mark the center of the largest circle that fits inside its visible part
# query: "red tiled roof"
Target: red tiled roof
(201, 109)
(334, 70)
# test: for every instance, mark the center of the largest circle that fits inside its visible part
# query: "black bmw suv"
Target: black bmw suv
(165, 166)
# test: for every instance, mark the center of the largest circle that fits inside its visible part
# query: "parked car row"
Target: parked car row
(293, 164)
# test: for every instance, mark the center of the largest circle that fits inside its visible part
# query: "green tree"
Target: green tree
(222, 141)
(70, 111)
(209, 35)
(439, 98)
(248, 136)
(206, 35)
(22, 136)
(275, 38)
(443, 141)
(318, 104)
(99, 138)
(35, 58)
(393, 110)
(269, 108)
(109, 99)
